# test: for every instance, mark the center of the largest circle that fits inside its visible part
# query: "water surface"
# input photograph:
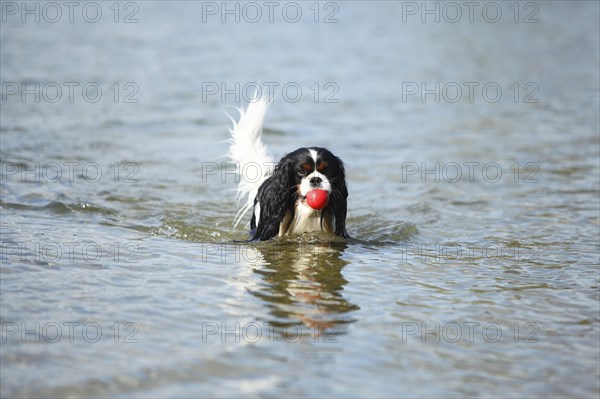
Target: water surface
(483, 283)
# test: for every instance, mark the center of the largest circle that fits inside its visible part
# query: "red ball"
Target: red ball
(317, 199)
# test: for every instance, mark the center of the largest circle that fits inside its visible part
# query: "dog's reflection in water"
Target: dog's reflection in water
(302, 284)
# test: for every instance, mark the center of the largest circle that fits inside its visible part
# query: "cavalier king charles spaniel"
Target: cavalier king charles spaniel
(304, 192)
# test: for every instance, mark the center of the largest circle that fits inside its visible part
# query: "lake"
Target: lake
(470, 135)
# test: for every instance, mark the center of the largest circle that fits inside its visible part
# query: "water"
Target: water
(474, 277)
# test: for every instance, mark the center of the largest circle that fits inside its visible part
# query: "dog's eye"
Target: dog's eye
(302, 172)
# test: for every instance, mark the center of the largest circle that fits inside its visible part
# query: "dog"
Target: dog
(305, 192)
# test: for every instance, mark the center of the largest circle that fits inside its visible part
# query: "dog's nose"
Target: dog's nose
(315, 181)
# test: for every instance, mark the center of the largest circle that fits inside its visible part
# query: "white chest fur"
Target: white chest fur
(305, 220)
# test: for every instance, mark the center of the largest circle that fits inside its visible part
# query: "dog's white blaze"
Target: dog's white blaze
(306, 186)
(313, 155)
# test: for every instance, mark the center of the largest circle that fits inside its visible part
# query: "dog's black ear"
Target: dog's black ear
(340, 201)
(275, 196)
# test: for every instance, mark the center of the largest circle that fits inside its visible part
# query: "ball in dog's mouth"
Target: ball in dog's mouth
(317, 199)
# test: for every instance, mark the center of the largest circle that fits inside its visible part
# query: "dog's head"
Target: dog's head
(314, 168)
(295, 176)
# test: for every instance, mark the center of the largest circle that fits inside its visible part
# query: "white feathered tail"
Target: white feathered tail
(246, 147)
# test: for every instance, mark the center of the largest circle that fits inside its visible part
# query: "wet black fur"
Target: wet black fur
(278, 194)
